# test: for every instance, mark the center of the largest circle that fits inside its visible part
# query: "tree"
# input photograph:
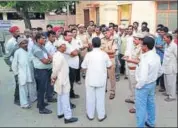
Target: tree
(24, 7)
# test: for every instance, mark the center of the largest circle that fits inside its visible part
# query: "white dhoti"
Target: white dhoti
(170, 84)
(27, 94)
(63, 106)
(132, 84)
(95, 98)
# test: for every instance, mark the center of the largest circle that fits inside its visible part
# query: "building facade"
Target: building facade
(126, 12)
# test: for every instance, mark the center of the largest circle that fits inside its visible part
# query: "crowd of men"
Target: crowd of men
(47, 64)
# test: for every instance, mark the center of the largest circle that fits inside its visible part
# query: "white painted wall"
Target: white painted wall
(144, 11)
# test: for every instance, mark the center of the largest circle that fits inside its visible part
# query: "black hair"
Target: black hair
(136, 23)
(49, 25)
(165, 29)
(38, 36)
(51, 33)
(39, 29)
(116, 25)
(96, 42)
(145, 29)
(168, 36)
(111, 24)
(92, 21)
(73, 29)
(130, 26)
(65, 32)
(99, 27)
(160, 26)
(149, 42)
(145, 23)
(158, 29)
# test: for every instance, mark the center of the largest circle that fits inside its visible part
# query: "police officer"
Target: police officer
(108, 44)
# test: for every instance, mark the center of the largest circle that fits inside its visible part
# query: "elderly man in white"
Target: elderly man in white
(60, 80)
(96, 63)
(170, 68)
(22, 66)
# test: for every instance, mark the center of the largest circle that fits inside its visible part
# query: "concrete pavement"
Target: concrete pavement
(117, 110)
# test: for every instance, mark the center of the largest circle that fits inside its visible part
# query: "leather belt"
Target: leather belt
(132, 68)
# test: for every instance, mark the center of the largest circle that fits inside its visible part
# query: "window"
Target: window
(97, 16)
(167, 14)
(1, 16)
(13, 16)
(36, 16)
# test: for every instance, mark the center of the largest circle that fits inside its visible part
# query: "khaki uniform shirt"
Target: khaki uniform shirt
(136, 53)
(84, 40)
(108, 44)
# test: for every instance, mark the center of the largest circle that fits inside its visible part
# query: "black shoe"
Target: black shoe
(100, 120)
(72, 106)
(74, 96)
(89, 118)
(126, 78)
(52, 100)
(45, 104)
(71, 120)
(146, 124)
(161, 90)
(45, 111)
(61, 116)
(17, 102)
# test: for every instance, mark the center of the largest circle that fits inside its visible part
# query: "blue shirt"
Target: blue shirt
(160, 51)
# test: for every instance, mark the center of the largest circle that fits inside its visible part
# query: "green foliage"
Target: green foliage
(40, 6)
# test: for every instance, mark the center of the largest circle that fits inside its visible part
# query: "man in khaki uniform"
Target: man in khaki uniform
(109, 45)
(132, 62)
(83, 37)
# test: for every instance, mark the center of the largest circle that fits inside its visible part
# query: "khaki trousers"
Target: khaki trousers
(132, 84)
(111, 74)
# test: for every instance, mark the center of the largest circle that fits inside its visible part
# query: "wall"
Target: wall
(108, 12)
(144, 11)
(56, 20)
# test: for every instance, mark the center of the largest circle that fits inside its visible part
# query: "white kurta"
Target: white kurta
(22, 66)
(170, 69)
(60, 70)
(96, 63)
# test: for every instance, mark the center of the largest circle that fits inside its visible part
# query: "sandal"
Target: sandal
(112, 96)
(132, 110)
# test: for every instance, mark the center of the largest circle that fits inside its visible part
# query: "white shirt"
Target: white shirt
(30, 44)
(50, 48)
(96, 62)
(77, 43)
(129, 46)
(170, 59)
(149, 69)
(73, 62)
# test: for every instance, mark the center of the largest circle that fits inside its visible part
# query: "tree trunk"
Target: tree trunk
(24, 14)
(27, 21)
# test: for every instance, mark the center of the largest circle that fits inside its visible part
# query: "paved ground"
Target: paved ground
(117, 109)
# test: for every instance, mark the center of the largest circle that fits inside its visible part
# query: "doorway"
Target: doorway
(124, 14)
(86, 17)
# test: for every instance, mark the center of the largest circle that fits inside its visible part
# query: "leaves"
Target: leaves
(40, 6)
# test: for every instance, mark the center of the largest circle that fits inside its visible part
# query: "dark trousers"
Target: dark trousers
(72, 78)
(16, 93)
(160, 81)
(122, 62)
(42, 81)
(49, 89)
(2, 47)
(78, 70)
